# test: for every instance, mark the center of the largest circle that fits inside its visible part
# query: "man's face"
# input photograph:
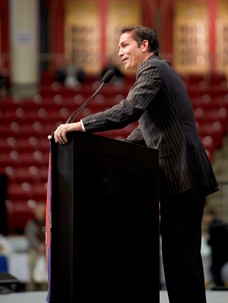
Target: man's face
(130, 53)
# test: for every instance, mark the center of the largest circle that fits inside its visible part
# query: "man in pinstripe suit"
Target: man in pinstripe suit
(159, 102)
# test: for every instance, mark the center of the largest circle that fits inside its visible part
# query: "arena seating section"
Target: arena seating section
(26, 123)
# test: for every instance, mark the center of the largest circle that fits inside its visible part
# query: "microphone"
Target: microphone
(106, 78)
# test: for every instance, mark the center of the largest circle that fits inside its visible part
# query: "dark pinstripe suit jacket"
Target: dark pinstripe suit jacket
(159, 102)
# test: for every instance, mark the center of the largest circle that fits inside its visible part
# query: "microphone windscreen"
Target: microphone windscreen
(108, 76)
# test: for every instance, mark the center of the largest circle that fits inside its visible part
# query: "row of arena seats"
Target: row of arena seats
(202, 81)
(27, 122)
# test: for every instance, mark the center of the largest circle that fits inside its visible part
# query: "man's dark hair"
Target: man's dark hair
(141, 33)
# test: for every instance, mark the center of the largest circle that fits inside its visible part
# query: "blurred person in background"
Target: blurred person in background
(4, 82)
(218, 242)
(70, 75)
(5, 250)
(111, 64)
(35, 234)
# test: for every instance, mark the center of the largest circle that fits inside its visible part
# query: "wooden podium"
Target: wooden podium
(105, 221)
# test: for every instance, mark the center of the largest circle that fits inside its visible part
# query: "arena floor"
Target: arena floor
(40, 297)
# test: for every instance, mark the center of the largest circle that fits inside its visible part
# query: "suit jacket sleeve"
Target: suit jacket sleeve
(136, 137)
(141, 94)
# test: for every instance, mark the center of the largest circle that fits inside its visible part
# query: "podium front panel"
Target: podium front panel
(105, 221)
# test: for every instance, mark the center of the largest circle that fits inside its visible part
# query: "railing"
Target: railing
(53, 60)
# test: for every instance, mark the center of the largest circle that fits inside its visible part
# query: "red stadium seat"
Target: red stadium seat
(215, 130)
(208, 143)
(212, 115)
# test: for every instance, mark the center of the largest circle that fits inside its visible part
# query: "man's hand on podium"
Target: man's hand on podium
(62, 129)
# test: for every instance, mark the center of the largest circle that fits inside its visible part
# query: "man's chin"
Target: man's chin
(127, 67)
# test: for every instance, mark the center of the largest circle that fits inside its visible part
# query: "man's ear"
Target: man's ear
(145, 45)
